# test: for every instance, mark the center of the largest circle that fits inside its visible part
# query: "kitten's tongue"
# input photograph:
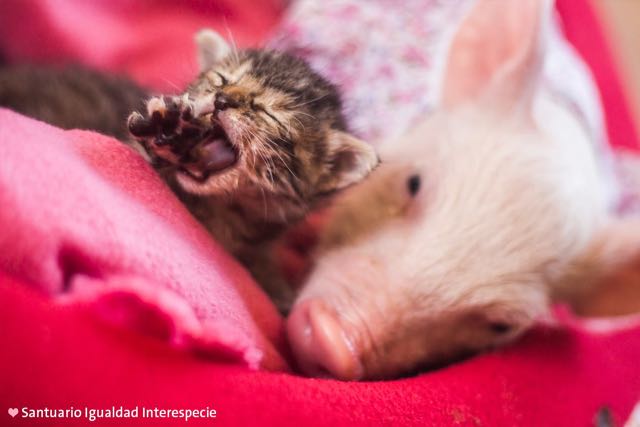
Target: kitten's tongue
(213, 156)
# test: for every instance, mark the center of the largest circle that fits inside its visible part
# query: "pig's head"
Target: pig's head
(450, 247)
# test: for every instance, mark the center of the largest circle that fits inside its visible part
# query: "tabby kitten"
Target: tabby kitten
(257, 140)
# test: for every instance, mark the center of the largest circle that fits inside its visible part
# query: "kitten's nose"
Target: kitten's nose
(224, 101)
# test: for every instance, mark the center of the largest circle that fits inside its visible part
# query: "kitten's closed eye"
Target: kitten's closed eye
(223, 80)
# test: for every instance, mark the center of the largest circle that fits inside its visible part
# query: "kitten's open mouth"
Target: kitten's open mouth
(213, 155)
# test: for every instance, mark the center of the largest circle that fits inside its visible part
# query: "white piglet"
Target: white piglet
(476, 221)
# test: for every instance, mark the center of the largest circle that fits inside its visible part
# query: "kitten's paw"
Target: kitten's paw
(168, 119)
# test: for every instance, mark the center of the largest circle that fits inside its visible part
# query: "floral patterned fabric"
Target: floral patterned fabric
(388, 57)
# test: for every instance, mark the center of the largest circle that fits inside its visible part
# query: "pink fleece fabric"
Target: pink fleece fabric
(149, 40)
(86, 218)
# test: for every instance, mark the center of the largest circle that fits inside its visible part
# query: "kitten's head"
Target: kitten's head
(279, 120)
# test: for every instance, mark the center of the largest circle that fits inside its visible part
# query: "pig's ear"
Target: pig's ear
(605, 279)
(497, 53)
(211, 48)
(349, 160)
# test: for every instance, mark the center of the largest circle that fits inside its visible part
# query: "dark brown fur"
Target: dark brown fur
(70, 97)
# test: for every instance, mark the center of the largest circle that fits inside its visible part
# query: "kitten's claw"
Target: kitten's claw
(172, 115)
(187, 113)
(156, 119)
(155, 104)
(140, 127)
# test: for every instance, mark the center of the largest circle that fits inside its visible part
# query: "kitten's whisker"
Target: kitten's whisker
(267, 165)
(277, 152)
(172, 84)
(310, 101)
(234, 46)
(257, 150)
(264, 202)
(299, 122)
(306, 114)
(271, 167)
(289, 135)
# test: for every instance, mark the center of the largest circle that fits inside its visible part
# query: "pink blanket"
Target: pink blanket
(85, 218)
(150, 40)
(88, 229)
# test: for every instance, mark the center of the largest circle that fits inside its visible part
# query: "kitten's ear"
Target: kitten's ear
(211, 48)
(351, 160)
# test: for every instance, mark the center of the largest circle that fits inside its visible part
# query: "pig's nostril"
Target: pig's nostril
(319, 342)
(500, 327)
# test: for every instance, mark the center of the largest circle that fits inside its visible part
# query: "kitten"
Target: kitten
(256, 141)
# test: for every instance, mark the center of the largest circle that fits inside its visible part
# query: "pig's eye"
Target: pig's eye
(413, 184)
(500, 328)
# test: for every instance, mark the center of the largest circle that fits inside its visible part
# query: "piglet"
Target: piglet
(477, 220)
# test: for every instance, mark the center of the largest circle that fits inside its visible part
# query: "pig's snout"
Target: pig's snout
(320, 344)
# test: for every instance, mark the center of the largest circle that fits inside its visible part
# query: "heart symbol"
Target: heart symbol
(13, 411)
